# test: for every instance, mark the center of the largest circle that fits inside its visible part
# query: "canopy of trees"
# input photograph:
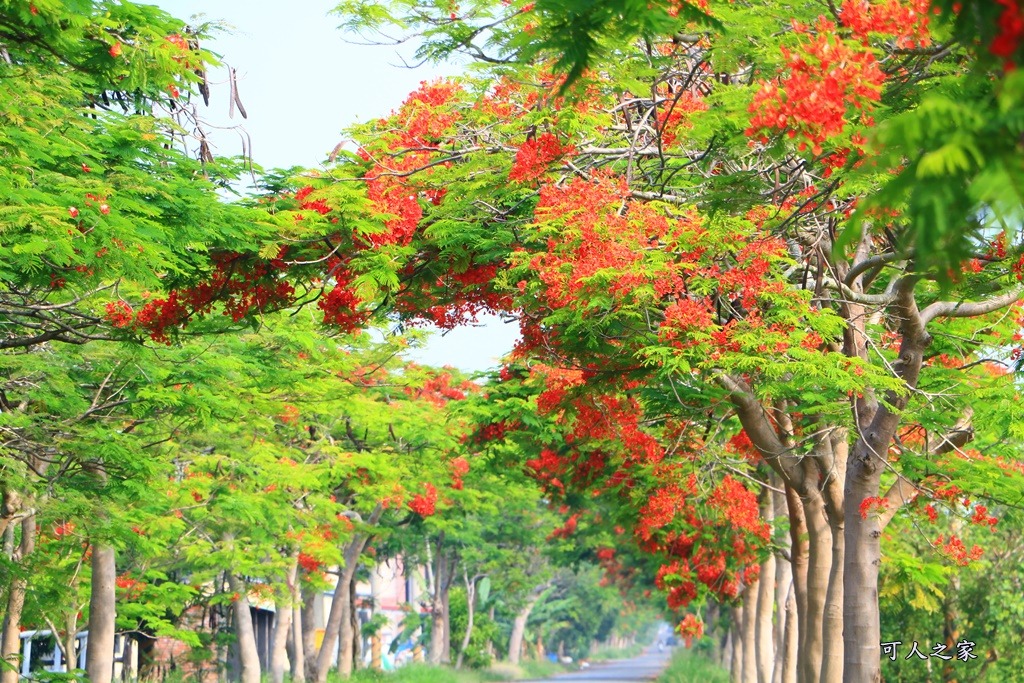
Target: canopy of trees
(766, 262)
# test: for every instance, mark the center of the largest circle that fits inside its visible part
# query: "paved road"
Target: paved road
(646, 667)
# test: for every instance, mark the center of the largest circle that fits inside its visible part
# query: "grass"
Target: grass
(689, 667)
(416, 673)
(423, 673)
(544, 668)
(628, 652)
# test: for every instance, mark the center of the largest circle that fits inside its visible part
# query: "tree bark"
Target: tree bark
(749, 634)
(515, 641)
(343, 637)
(10, 639)
(764, 645)
(297, 657)
(70, 646)
(436, 649)
(339, 622)
(307, 627)
(282, 627)
(832, 625)
(340, 609)
(245, 634)
(790, 642)
(863, 557)
(99, 653)
(352, 637)
(798, 553)
(819, 565)
(446, 621)
(376, 643)
(736, 663)
(470, 612)
(783, 589)
(861, 627)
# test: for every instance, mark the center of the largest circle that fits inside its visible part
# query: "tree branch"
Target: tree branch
(960, 309)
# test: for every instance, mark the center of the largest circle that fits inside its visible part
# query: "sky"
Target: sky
(301, 83)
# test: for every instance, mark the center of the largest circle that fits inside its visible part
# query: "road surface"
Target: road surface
(646, 667)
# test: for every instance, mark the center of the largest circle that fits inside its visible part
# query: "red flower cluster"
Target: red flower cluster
(132, 588)
(1011, 31)
(438, 390)
(826, 78)
(568, 529)
(981, 517)
(62, 529)
(309, 564)
(690, 627)
(424, 504)
(459, 467)
(741, 444)
(907, 23)
(929, 510)
(239, 293)
(955, 550)
(535, 156)
(120, 314)
(676, 579)
(870, 505)
(675, 114)
(341, 305)
(290, 415)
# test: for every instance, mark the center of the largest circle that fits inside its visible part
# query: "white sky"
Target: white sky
(301, 84)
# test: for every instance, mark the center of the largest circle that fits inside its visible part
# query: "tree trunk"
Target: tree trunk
(282, 627)
(99, 653)
(377, 642)
(340, 609)
(342, 636)
(10, 639)
(783, 582)
(470, 612)
(446, 621)
(515, 641)
(70, 647)
(297, 657)
(337, 621)
(783, 595)
(436, 649)
(490, 643)
(307, 627)
(832, 626)
(245, 635)
(764, 645)
(749, 633)
(764, 642)
(725, 651)
(790, 641)
(736, 665)
(798, 552)
(819, 565)
(10, 506)
(353, 655)
(862, 630)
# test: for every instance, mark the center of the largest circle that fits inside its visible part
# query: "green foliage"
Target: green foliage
(576, 32)
(484, 630)
(419, 673)
(687, 667)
